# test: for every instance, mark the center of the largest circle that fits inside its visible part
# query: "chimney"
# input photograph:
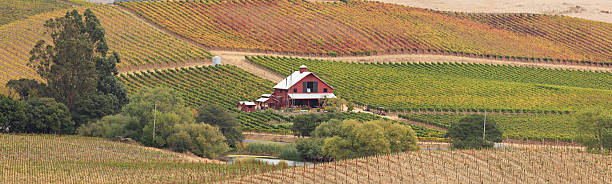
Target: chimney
(303, 69)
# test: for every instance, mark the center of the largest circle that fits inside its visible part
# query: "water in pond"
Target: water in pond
(269, 160)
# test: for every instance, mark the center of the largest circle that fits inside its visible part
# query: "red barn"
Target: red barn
(301, 88)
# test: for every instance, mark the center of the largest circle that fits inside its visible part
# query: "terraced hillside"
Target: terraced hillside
(76, 159)
(512, 165)
(355, 28)
(222, 85)
(456, 86)
(13, 10)
(589, 38)
(139, 44)
(562, 127)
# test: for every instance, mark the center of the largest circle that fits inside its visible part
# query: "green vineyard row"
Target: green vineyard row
(516, 126)
(455, 86)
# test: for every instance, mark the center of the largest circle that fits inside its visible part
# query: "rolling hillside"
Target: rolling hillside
(139, 44)
(456, 86)
(356, 28)
(13, 10)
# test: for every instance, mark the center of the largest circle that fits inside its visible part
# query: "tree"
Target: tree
(93, 108)
(310, 148)
(351, 137)
(142, 106)
(76, 68)
(304, 124)
(12, 115)
(110, 127)
(45, 115)
(26, 88)
(596, 128)
(467, 133)
(223, 119)
(200, 139)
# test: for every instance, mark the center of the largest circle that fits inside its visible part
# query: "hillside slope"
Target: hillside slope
(302, 27)
(13, 10)
(139, 44)
(76, 159)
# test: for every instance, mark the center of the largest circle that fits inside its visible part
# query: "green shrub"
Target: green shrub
(290, 152)
(264, 148)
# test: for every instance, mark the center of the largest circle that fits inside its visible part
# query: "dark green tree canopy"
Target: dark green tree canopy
(12, 115)
(76, 67)
(27, 88)
(218, 116)
(45, 115)
(470, 130)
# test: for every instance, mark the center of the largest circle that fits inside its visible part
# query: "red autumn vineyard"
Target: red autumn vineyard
(592, 39)
(367, 28)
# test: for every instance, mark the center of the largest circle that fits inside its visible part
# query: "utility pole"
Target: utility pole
(154, 117)
(484, 125)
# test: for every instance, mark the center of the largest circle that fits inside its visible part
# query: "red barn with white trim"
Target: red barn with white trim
(301, 88)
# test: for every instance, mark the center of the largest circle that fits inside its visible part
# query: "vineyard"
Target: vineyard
(13, 10)
(515, 126)
(589, 38)
(339, 29)
(455, 86)
(76, 159)
(524, 164)
(199, 85)
(138, 43)
(222, 85)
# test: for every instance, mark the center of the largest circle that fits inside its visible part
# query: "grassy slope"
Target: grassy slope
(138, 44)
(13, 10)
(406, 86)
(518, 165)
(76, 159)
(308, 27)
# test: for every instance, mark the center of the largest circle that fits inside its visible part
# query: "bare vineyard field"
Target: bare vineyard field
(75, 159)
(525, 164)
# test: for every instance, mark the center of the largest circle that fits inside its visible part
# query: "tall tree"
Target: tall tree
(76, 68)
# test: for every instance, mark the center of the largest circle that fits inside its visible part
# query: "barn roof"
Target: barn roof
(299, 96)
(247, 103)
(291, 80)
(262, 100)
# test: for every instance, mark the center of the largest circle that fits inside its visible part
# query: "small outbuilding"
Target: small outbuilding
(246, 106)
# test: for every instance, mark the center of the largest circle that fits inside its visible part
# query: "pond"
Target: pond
(268, 159)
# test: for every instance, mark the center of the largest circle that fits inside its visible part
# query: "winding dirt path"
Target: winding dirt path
(237, 57)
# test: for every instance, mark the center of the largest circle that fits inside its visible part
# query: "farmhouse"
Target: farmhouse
(300, 89)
